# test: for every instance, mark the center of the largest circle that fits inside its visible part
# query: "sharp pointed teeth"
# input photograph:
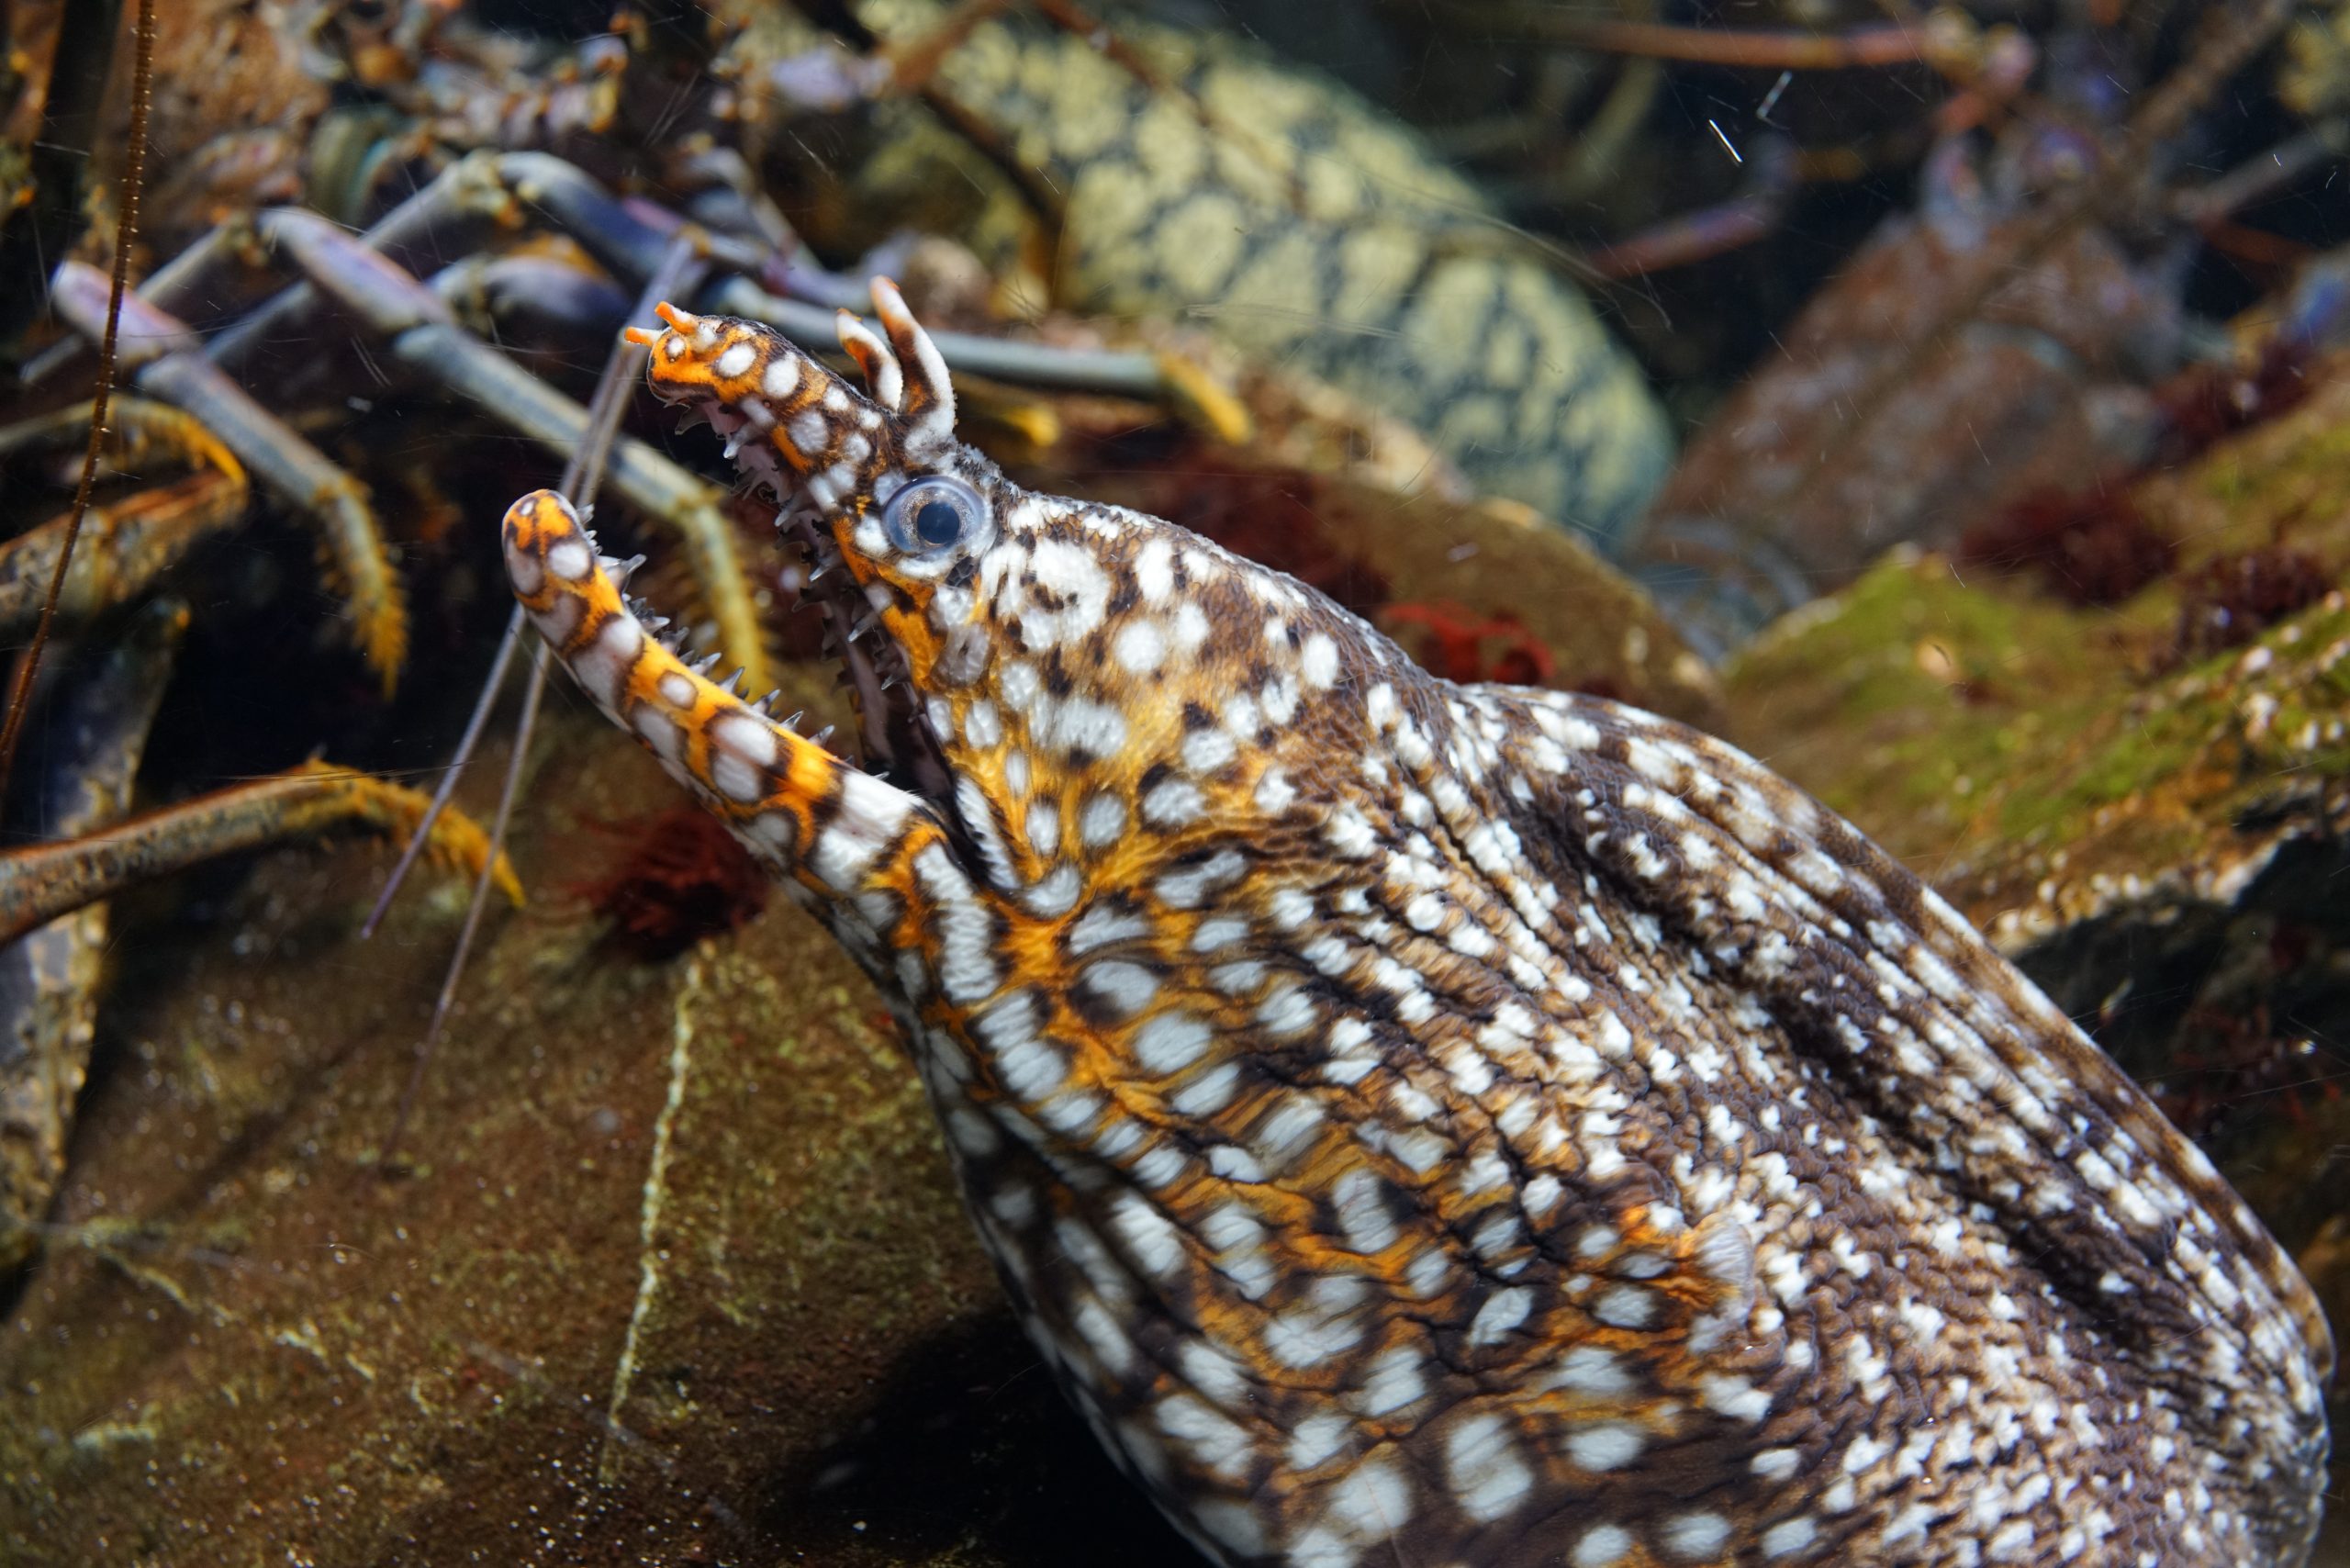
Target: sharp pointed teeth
(864, 623)
(820, 736)
(627, 568)
(708, 662)
(733, 446)
(793, 723)
(654, 623)
(733, 683)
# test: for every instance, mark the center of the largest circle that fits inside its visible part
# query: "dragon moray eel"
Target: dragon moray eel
(1464, 1127)
(1176, 172)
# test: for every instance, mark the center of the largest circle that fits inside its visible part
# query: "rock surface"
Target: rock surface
(677, 1276)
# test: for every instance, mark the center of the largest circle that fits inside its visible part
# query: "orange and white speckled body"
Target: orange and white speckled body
(1464, 1126)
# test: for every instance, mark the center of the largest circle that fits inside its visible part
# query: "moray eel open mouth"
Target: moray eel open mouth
(894, 741)
(1452, 1124)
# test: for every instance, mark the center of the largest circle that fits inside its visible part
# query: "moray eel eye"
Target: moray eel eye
(934, 514)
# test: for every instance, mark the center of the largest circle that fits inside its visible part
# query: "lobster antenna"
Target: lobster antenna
(134, 181)
(581, 477)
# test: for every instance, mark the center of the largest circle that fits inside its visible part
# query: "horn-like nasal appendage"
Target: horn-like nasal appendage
(928, 406)
(884, 377)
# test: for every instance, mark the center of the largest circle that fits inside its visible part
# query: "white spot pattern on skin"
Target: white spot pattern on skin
(1169, 1042)
(1318, 1439)
(1626, 1306)
(1209, 1092)
(1369, 1505)
(1175, 804)
(1602, 1546)
(1103, 925)
(602, 668)
(1501, 1314)
(1155, 571)
(1140, 647)
(1287, 1012)
(1154, 1242)
(1218, 932)
(1215, 1374)
(1127, 988)
(1079, 727)
(571, 560)
(871, 813)
(1102, 823)
(1488, 1474)
(1609, 1445)
(1364, 1216)
(1044, 827)
(1318, 661)
(1206, 750)
(1219, 1445)
(661, 733)
(1693, 1536)
(1055, 893)
(1397, 1378)
(1274, 792)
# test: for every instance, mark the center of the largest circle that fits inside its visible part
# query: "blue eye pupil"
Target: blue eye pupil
(938, 523)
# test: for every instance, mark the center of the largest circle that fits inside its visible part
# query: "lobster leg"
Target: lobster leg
(40, 882)
(423, 333)
(125, 545)
(49, 977)
(166, 361)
